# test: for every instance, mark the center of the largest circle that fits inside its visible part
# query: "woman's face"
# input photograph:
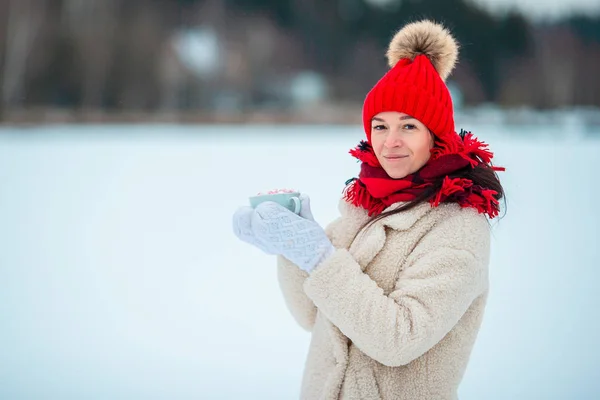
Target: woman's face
(401, 143)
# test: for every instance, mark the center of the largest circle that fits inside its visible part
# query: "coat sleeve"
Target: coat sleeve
(445, 272)
(291, 281)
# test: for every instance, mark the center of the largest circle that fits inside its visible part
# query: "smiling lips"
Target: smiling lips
(394, 157)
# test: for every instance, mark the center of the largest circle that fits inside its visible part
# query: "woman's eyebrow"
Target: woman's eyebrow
(402, 118)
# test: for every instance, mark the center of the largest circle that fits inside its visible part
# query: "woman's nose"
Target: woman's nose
(393, 140)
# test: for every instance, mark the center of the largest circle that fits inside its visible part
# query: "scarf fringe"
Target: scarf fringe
(448, 147)
(463, 192)
(357, 194)
(364, 152)
(450, 186)
(475, 151)
(467, 146)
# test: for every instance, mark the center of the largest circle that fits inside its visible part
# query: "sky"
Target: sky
(535, 9)
(541, 9)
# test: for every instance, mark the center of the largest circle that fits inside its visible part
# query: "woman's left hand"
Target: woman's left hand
(298, 239)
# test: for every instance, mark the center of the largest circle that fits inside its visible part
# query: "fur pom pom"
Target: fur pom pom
(428, 38)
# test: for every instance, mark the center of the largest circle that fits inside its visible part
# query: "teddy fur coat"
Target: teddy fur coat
(395, 311)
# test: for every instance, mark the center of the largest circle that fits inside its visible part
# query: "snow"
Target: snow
(120, 277)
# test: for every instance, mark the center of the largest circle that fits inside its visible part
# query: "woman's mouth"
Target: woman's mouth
(395, 157)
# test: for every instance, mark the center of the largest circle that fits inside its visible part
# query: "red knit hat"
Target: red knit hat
(421, 56)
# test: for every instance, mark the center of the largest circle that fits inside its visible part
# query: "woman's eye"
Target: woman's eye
(410, 126)
(378, 127)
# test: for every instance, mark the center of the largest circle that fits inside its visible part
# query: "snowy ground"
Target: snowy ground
(120, 277)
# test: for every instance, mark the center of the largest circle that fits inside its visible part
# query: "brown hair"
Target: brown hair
(482, 175)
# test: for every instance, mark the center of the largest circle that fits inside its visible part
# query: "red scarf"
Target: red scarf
(375, 190)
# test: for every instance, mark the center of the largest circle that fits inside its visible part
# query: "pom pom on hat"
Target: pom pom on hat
(427, 38)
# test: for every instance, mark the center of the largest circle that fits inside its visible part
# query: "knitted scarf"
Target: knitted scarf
(374, 190)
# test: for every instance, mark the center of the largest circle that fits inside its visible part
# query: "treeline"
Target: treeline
(120, 54)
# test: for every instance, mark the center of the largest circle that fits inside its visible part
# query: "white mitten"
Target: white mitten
(305, 211)
(300, 240)
(243, 230)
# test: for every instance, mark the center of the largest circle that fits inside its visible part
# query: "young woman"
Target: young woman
(394, 290)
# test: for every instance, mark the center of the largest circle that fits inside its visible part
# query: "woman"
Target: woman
(395, 289)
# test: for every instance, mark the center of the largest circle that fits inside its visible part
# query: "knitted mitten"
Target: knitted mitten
(280, 231)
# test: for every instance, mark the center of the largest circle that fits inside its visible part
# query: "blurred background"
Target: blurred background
(131, 130)
(260, 60)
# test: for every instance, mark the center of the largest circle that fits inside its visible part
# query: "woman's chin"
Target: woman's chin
(397, 174)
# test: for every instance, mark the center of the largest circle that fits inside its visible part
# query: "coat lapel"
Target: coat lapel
(366, 244)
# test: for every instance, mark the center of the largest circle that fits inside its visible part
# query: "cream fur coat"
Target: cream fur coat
(395, 312)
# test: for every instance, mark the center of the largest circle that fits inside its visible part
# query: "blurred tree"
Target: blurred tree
(587, 80)
(586, 26)
(92, 26)
(514, 36)
(281, 10)
(24, 19)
